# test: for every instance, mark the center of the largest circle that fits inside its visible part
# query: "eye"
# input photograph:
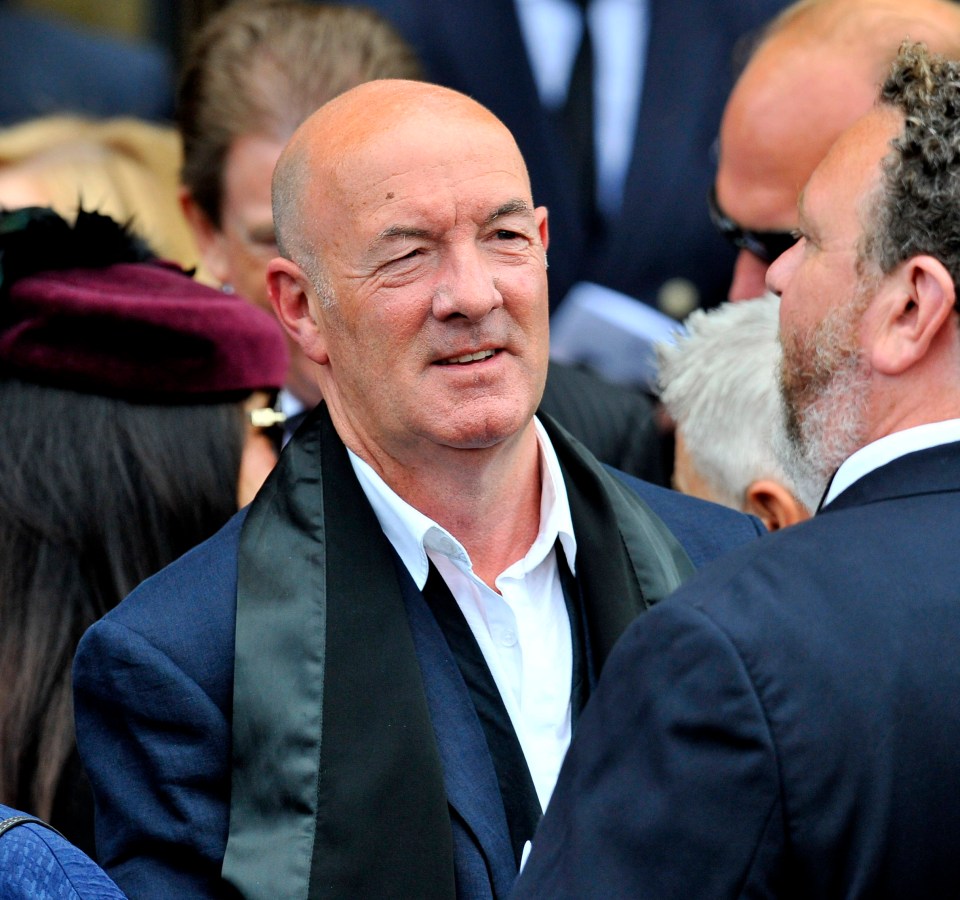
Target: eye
(406, 257)
(505, 234)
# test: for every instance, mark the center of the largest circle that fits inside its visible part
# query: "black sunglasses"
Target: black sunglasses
(767, 245)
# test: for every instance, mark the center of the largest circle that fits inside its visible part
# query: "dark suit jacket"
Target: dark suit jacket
(663, 230)
(153, 691)
(787, 723)
(615, 423)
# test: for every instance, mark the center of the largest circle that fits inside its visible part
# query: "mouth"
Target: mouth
(467, 358)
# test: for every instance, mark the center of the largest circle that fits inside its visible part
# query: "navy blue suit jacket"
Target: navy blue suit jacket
(153, 693)
(786, 724)
(663, 230)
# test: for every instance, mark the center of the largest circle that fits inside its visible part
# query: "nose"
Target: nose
(469, 289)
(779, 270)
(749, 274)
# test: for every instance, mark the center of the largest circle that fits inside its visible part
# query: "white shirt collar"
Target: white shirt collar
(889, 448)
(413, 534)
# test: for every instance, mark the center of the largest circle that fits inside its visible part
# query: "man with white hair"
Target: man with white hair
(718, 382)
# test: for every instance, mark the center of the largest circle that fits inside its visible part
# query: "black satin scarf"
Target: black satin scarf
(337, 789)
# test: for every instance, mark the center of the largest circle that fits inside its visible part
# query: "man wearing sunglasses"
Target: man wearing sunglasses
(814, 72)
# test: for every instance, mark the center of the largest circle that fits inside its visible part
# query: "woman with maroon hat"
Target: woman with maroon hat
(125, 391)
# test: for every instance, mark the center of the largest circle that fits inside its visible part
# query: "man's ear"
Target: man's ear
(913, 305)
(294, 303)
(540, 213)
(209, 238)
(774, 505)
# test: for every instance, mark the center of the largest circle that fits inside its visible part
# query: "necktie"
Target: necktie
(576, 116)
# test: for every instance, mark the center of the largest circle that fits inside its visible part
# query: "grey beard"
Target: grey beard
(824, 433)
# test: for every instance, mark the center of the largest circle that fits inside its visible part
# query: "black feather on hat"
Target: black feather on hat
(37, 239)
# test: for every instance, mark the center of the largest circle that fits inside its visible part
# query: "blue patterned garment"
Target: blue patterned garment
(36, 863)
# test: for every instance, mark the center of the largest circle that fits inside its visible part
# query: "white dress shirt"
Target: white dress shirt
(889, 448)
(523, 631)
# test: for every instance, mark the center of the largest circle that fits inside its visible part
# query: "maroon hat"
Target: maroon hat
(144, 330)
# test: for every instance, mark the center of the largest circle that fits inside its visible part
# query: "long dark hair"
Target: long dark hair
(96, 494)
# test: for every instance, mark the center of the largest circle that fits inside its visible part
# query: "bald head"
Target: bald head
(816, 71)
(325, 157)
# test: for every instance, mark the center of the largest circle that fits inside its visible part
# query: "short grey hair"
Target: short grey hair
(719, 383)
(290, 179)
(916, 210)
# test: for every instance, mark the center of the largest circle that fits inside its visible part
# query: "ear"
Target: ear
(296, 306)
(915, 302)
(774, 505)
(540, 213)
(209, 238)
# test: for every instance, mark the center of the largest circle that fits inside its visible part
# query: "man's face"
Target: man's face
(435, 256)
(238, 252)
(784, 113)
(826, 379)
(246, 237)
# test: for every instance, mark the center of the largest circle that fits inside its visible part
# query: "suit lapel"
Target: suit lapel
(335, 773)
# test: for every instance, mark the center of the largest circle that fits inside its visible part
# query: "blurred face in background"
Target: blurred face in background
(237, 252)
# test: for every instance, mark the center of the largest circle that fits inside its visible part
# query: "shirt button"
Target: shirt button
(508, 638)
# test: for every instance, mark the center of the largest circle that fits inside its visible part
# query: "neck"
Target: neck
(899, 404)
(488, 499)
(302, 379)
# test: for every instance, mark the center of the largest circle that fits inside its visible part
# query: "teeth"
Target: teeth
(469, 357)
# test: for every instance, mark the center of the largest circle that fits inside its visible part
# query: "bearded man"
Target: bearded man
(785, 724)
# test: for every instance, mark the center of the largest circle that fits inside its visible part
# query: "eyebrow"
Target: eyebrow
(510, 208)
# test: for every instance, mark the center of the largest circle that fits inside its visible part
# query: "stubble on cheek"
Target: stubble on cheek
(824, 384)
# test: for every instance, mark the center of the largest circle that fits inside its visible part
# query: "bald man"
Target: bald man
(814, 73)
(365, 685)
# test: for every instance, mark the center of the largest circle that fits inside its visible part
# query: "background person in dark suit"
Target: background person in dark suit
(786, 725)
(649, 227)
(368, 682)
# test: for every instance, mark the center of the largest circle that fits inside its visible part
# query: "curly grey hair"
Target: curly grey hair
(917, 208)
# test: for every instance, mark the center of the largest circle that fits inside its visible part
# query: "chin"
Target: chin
(481, 431)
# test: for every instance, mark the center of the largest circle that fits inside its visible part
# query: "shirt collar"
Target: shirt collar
(412, 533)
(887, 449)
